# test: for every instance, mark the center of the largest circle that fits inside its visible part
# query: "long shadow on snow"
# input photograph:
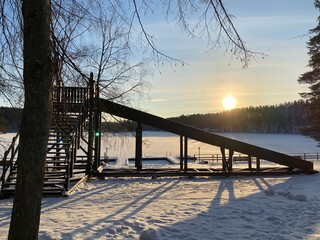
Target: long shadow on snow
(257, 216)
(135, 206)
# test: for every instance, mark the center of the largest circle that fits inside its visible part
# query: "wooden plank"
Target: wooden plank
(181, 152)
(176, 172)
(185, 153)
(74, 187)
(138, 152)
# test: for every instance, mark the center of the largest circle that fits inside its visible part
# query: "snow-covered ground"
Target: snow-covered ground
(286, 207)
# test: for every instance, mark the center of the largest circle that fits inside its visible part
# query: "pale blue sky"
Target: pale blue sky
(270, 26)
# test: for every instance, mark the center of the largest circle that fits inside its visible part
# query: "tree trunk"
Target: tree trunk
(35, 120)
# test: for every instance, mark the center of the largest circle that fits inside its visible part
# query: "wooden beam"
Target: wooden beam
(249, 162)
(258, 164)
(138, 158)
(185, 153)
(90, 128)
(231, 152)
(224, 160)
(181, 152)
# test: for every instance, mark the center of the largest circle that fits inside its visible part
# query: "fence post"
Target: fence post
(185, 153)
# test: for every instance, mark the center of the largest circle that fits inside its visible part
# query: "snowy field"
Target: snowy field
(286, 207)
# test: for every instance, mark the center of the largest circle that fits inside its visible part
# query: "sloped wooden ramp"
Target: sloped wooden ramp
(289, 164)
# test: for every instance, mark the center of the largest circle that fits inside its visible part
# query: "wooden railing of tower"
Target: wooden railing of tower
(8, 160)
(85, 100)
(75, 109)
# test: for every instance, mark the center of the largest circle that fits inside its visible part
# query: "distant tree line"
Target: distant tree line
(282, 118)
(10, 119)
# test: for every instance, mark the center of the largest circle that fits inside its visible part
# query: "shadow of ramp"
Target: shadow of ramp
(255, 216)
(113, 224)
(188, 209)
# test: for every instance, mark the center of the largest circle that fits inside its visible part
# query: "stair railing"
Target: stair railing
(70, 97)
(78, 99)
(8, 160)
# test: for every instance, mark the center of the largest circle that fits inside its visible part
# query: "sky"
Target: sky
(274, 27)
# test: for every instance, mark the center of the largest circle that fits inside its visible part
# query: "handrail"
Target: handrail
(8, 164)
(218, 157)
(69, 94)
(63, 97)
(79, 96)
(76, 135)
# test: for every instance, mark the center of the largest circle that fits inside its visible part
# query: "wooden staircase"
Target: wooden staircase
(63, 165)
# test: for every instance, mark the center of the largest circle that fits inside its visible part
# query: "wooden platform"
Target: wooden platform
(193, 172)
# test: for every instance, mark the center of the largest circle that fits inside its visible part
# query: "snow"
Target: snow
(286, 207)
(167, 144)
(282, 207)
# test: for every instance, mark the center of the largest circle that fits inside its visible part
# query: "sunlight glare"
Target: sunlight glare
(229, 102)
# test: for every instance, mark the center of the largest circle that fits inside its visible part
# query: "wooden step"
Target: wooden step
(51, 156)
(56, 167)
(48, 175)
(58, 142)
(47, 191)
(55, 182)
(55, 161)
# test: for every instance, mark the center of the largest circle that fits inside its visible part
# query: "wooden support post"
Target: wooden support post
(185, 153)
(138, 158)
(97, 129)
(66, 185)
(224, 161)
(249, 162)
(100, 135)
(181, 153)
(90, 127)
(231, 152)
(258, 164)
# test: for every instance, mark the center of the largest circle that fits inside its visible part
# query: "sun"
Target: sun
(229, 102)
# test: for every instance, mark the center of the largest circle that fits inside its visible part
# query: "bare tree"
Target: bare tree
(199, 19)
(11, 58)
(37, 76)
(36, 62)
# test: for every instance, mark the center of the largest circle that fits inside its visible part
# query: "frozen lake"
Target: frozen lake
(162, 144)
(167, 144)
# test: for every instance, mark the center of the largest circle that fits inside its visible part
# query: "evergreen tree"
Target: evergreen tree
(312, 78)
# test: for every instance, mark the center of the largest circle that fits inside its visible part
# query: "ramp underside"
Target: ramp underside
(204, 136)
